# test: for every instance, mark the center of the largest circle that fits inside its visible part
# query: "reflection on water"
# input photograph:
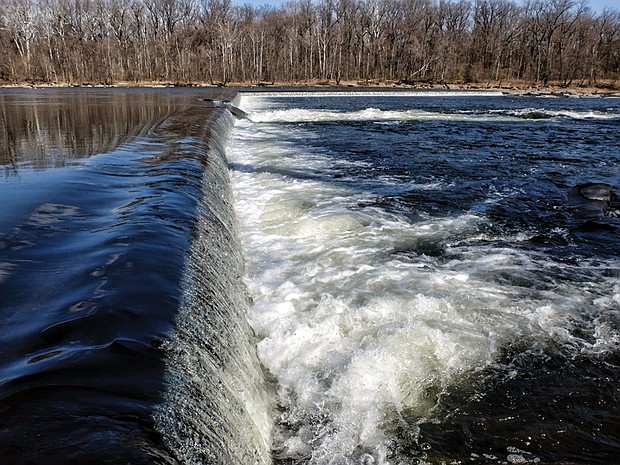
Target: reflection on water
(48, 129)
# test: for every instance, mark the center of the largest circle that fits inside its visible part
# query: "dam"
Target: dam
(124, 338)
(206, 276)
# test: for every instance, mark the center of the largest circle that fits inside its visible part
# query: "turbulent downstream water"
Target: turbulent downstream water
(337, 279)
(428, 283)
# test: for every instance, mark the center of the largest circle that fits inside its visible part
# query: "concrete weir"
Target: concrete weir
(216, 407)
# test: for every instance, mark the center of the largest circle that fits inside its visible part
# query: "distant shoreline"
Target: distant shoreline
(605, 89)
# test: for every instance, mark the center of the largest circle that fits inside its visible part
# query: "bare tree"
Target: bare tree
(19, 18)
(184, 41)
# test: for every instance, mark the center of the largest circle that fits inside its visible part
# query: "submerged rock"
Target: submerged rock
(590, 201)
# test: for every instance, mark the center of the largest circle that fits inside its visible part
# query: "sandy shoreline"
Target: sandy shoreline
(607, 89)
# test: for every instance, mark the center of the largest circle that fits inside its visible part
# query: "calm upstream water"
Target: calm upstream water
(429, 283)
(337, 279)
(122, 312)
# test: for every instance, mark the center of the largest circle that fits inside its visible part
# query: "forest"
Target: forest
(217, 42)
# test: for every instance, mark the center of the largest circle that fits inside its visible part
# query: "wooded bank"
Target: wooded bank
(216, 42)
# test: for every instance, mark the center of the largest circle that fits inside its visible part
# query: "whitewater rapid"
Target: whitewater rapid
(362, 336)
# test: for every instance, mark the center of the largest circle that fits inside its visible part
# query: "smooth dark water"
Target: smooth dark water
(104, 196)
(428, 287)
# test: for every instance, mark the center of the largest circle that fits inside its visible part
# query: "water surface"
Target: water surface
(109, 198)
(427, 288)
(421, 278)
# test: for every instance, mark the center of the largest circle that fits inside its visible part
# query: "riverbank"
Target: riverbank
(603, 88)
(512, 87)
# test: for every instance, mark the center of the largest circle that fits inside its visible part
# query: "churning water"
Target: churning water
(388, 278)
(435, 277)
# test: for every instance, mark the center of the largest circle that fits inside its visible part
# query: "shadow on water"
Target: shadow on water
(110, 196)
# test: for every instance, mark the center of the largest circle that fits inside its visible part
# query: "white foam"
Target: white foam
(358, 327)
(300, 115)
(258, 113)
(547, 113)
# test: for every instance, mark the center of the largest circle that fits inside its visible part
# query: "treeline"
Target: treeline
(215, 41)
